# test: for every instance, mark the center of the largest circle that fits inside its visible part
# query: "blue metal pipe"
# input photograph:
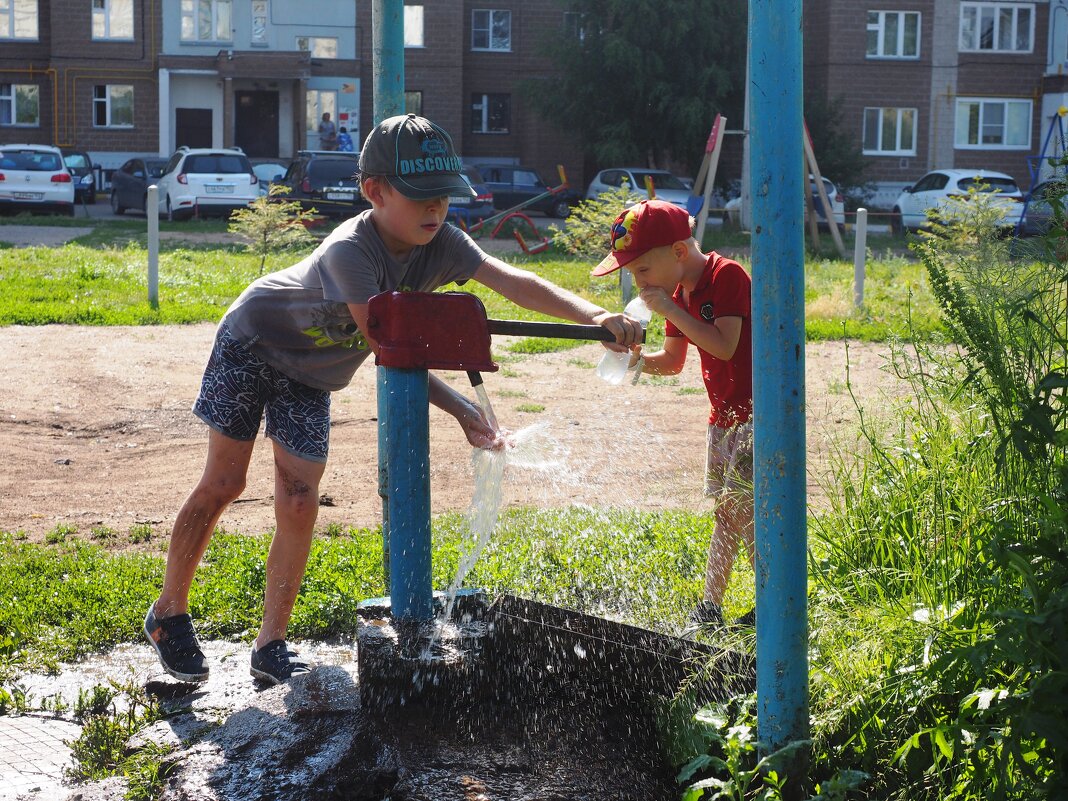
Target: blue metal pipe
(777, 181)
(387, 53)
(405, 393)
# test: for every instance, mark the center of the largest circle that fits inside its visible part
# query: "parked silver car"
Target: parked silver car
(665, 185)
(34, 177)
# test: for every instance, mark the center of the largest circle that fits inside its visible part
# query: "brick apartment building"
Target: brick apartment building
(929, 84)
(134, 77)
(924, 83)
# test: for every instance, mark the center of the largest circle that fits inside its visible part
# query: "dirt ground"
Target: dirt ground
(96, 429)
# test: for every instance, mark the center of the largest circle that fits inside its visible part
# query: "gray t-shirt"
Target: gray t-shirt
(297, 319)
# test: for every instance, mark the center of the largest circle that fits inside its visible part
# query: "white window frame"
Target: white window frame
(879, 28)
(975, 10)
(481, 103)
(898, 148)
(106, 20)
(414, 26)
(985, 106)
(318, 46)
(106, 100)
(260, 19)
(222, 20)
(9, 97)
(485, 26)
(19, 19)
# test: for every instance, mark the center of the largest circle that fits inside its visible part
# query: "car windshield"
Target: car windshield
(77, 161)
(473, 175)
(30, 160)
(661, 180)
(155, 168)
(988, 184)
(333, 171)
(216, 163)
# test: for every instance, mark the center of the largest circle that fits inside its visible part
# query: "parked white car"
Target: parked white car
(199, 181)
(34, 177)
(666, 186)
(934, 189)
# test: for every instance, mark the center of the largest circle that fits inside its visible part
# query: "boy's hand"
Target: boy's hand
(658, 300)
(478, 430)
(627, 331)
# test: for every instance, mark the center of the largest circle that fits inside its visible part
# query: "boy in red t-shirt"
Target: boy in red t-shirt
(705, 299)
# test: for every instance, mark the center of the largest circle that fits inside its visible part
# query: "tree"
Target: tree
(837, 153)
(642, 80)
(270, 224)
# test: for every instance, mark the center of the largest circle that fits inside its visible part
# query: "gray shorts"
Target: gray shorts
(238, 387)
(729, 460)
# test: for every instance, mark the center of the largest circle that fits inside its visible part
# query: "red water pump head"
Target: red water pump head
(430, 331)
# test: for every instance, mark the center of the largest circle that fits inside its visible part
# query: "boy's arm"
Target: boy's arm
(468, 414)
(668, 361)
(719, 337)
(534, 292)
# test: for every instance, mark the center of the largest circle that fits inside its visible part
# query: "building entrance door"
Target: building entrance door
(256, 123)
(192, 127)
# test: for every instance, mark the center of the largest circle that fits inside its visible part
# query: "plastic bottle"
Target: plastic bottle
(613, 365)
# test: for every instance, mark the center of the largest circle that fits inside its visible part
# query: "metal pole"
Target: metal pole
(407, 453)
(387, 50)
(776, 154)
(152, 213)
(383, 472)
(860, 256)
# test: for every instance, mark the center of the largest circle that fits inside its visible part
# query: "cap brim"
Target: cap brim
(427, 187)
(613, 261)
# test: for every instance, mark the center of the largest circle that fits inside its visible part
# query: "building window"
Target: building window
(893, 34)
(575, 25)
(113, 19)
(413, 26)
(413, 103)
(491, 113)
(318, 46)
(113, 106)
(318, 102)
(259, 22)
(491, 29)
(997, 27)
(890, 131)
(18, 19)
(20, 104)
(207, 21)
(993, 124)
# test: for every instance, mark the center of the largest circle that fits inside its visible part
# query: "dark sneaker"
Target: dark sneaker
(274, 663)
(176, 643)
(706, 615)
(748, 620)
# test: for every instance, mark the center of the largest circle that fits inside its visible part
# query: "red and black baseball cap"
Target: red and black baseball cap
(644, 226)
(416, 157)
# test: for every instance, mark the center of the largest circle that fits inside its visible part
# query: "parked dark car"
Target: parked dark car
(130, 182)
(1038, 215)
(326, 181)
(512, 185)
(470, 210)
(80, 167)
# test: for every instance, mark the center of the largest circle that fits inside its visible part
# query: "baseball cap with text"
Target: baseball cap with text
(644, 226)
(416, 157)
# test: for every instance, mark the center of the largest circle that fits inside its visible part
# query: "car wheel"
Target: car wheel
(561, 209)
(897, 225)
(171, 216)
(116, 206)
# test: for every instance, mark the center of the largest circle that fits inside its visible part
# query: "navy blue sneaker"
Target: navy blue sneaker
(176, 643)
(274, 663)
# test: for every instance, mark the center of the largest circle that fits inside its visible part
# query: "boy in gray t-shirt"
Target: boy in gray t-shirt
(296, 335)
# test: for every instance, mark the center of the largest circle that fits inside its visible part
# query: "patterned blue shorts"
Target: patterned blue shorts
(238, 386)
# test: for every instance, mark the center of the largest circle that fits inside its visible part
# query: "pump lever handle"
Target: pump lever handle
(524, 328)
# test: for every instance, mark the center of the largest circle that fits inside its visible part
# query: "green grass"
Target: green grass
(65, 600)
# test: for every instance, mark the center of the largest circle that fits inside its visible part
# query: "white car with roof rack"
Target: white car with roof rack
(209, 180)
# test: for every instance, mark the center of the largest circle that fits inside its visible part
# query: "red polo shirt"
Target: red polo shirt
(724, 290)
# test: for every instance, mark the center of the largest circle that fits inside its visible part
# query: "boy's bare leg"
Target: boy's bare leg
(222, 482)
(296, 506)
(734, 522)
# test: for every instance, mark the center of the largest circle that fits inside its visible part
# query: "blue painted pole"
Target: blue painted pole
(387, 54)
(776, 132)
(406, 394)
